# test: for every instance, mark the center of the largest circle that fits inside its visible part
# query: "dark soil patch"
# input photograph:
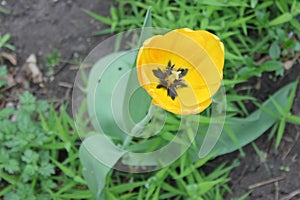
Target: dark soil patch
(42, 26)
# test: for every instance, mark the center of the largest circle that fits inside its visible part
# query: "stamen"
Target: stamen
(170, 79)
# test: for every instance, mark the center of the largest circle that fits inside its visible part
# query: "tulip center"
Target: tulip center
(170, 79)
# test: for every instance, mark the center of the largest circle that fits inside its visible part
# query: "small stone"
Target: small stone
(9, 105)
(3, 3)
(76, 55)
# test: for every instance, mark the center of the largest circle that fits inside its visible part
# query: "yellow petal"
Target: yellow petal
(200, 52)
(210, 42)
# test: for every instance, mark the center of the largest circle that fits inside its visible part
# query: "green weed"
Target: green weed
(38, 153)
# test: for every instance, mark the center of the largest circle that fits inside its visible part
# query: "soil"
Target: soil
(43, 26)
(278, 177)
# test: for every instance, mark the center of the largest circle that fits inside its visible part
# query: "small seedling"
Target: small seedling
(285, 168)
(4, 10)
(3, 72)
(52, 61)
(4, 42)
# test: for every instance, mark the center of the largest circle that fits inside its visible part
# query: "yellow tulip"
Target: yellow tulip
(181, 70)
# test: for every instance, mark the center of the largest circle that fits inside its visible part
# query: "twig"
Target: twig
(265, 182)
(76, 67)
(291, 195)
(276, 190)
(241, 176)
(263, 59)
(7, 88)
(62, 67)
(296, 172)
(65, 84)
(65, 98)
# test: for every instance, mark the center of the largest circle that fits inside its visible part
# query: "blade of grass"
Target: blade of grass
(281, 19)
(280, 132)
(98, 17)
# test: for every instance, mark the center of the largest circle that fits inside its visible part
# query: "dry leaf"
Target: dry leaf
(10, 57)
(9, 80)
(289, 64)
(32, 69)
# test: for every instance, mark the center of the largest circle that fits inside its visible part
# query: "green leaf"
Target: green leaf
(292, 96)
(272, 65)
(5, 113)
(27, 101)
(146, 31)
(274, 50)
(46, 169)
(281, 19)
(3, 71)
(3, 10)
(30, 156)
(4, 39)
(67, 171)
(280, 132)
(106, 96)
(98, 17)
(293, 119)
(77, 195)
(29, 172)
(97, 154)
(113, 100)
(200, 189)
(12, 166)
(253, 3)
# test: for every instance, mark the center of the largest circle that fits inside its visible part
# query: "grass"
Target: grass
(181, 180)
(4, 44)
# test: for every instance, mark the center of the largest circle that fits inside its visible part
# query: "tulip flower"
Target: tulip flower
(181, 70)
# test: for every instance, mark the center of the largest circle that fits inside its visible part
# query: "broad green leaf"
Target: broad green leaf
(114, 93)
(106, 93)
(248, 129)
(97, 155)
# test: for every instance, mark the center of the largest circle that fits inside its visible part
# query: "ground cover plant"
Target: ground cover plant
(262, 42)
